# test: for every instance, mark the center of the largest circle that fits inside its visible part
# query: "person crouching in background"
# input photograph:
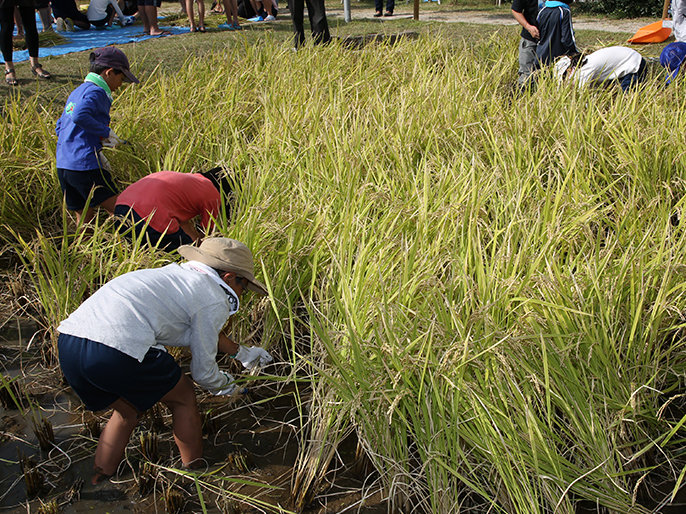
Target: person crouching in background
(160, 206)
(604, 66)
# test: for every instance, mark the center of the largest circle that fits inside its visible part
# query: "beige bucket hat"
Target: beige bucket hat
(226, 255)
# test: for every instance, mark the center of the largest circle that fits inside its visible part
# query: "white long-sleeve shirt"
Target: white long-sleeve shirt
(97, 9)
(169, 306)
(611, 63)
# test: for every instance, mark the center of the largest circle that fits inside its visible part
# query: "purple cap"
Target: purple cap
(112, 57)
(672, 57)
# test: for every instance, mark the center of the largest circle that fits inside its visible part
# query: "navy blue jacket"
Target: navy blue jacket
(556, 33)
(84, 122)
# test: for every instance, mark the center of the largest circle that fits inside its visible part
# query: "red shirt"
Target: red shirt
(168, 197)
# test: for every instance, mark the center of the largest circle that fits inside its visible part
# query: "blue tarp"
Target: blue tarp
(88, 39)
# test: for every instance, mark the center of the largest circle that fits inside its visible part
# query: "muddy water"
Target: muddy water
(263, 424)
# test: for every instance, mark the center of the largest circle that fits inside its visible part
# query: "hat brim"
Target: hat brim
(193, 253)
(130, 76)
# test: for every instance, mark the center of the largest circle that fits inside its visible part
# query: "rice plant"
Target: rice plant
(486, 286)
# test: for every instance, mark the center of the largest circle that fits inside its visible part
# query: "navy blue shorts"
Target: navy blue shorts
(68, 10)
(77, 185)
(100, 375)
(130, 218)
(155, 3)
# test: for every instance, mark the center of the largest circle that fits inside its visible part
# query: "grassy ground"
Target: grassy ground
(169, 53)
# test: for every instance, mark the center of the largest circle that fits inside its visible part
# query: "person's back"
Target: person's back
(101, 12)
(556, 35)
(612, 63)
(163, 204)
(167, 198)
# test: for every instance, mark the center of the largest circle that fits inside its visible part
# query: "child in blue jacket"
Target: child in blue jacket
(82, 131)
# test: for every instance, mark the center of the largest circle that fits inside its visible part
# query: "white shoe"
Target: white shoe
(270, 18)
(68, 25)
(60, 24)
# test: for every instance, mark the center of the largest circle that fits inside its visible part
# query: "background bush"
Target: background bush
(623, 8)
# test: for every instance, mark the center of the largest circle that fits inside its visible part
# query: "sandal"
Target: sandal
(11, 81)
(377, 14)
(39, 72)
(388, 13)
(202, 30)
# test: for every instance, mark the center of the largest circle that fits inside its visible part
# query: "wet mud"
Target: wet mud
(251, 444)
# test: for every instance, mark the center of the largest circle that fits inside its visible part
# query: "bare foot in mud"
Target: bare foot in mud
(99, 477)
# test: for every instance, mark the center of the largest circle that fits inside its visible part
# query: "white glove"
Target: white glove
(253, 356)
(229, 388)
(112, 140)
(104, 163)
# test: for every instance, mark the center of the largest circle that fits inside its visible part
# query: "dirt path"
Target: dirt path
(404, 11)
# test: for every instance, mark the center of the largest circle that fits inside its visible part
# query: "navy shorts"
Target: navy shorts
(77, 185)
(155, 3)
(130, 218)
(69, 10)
(100, 375)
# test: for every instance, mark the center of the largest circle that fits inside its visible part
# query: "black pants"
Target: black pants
(318, 23)
(28, 18)
(390, 5)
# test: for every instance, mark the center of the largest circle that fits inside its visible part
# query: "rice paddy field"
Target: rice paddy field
(477, 295)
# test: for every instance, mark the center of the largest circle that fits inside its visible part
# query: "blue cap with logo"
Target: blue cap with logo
(112, 57)
(672, 57)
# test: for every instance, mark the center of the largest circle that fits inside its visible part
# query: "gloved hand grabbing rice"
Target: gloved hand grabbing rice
(253, 356)
(112, 140)
(229, 388)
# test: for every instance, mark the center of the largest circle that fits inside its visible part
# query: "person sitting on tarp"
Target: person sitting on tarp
(671, 58)
(251, 10)
(101, 14)
(612, 64)
(67, 15)
(160, 207)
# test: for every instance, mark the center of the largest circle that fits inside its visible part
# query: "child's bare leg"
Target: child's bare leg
(113, 440)
(86, 217)
(109, 204)
(186, 420)
(144, 18)
(151, 13)
(227, 10)
(234, 11)
(191, 14)
(201, 13)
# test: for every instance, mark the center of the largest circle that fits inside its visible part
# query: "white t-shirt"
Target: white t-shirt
(97, 9)
(610, 63)
(169, 306)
